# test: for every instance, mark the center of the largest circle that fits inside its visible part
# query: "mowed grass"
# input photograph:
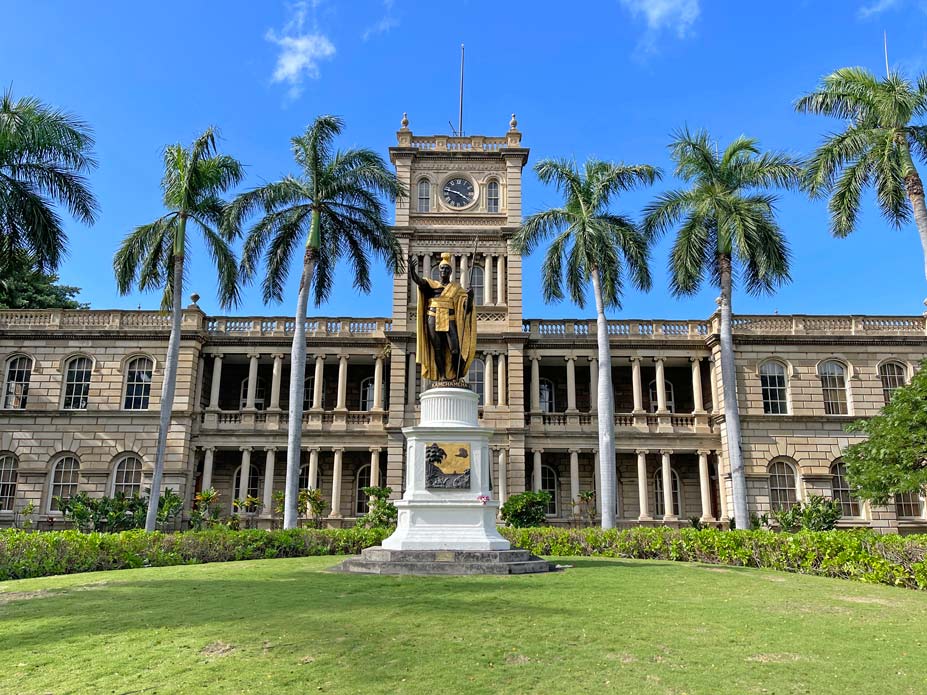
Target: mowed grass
(288, 626)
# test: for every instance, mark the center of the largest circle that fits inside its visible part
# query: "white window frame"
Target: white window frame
(493, 202)
(476, 282)
(842, 492)
(889, 390)
(74, 481)
(796, 482)
(9, 473)
(476, 377)
(554, 492)
(552, 401)
(260, 394)
(12, 394)
(254, 483)
(71, 390)
(670, 396)
(827, 374)
(423, 196)
(920, 505)
(658, 493)
(118, 478)
(766, 389)
(144, 397)
(366, 394)
(361, 503)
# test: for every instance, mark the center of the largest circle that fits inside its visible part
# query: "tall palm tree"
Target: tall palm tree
(877, 147)
(335, 203)
(601, 248)
(44, 154)
(152, 256)
(727, 229)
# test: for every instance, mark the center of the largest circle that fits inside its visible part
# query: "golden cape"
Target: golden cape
(466, 334)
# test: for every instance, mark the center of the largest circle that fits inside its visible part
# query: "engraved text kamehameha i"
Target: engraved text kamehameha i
(445, 326)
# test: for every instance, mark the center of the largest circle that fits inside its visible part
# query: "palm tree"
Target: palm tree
(44, 154)
(600, 248)
(152, 256)
(727, 229)
(877, 147)
(335, 204)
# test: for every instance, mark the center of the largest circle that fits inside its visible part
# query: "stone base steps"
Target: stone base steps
(378, 560)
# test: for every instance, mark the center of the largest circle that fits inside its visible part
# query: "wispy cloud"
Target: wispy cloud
(660, 16)
(300, 51)
(384, 24)
(877, 7)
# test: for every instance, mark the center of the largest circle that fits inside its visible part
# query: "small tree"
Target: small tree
(526, 509)
(893, 459)
(382, 512)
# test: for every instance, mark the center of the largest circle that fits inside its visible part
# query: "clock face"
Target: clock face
(458, 192)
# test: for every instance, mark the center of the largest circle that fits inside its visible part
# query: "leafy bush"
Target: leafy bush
(116, 513)
(860, 554)
(382, 512)
(817, 514)
(26, 554)
(526, 509)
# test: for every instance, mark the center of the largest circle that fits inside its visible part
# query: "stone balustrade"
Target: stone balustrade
(801, 324)
(617, 329)
(447, 143)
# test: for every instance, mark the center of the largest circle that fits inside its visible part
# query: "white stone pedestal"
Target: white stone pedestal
(447, 518)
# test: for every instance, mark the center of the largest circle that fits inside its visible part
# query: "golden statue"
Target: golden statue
(445, 324)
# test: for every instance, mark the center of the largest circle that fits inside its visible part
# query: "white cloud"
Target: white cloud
(667, 14)
(387, 22)
(877, 7)
(300, 51)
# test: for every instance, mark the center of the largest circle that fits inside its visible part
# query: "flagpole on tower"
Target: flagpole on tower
(460, 115)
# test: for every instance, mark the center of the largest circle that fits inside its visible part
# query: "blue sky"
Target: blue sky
(610, 79)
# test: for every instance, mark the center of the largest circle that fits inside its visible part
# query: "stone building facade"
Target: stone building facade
(80, 389)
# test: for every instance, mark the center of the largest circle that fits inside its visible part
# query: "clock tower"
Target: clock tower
(464, 198)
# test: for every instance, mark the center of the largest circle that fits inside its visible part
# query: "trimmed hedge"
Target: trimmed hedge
(25, 554)
(859, 555)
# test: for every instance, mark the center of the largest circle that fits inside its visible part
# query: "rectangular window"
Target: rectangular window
(907, 504)
(138, 384)
(16, 389)
(773, 386)
(834, 387)
(424, 196)
(77, 384)
(492, 197)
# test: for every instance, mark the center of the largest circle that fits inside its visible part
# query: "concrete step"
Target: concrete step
(379, 554)
(396, 567)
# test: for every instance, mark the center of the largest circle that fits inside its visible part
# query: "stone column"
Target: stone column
(252, 380)
(535, 383)
(487, 279)
(571, 383)
(336, 485)
(642, 485)
(216, 381)
(597, 474)
(410, 380)
(715, 405)
(699, 407)
(704, 484)
(593, 384)
(426, 266)
(661, 385)
(275, 382)
(636, 385)
(243, 476)
(500, 279)
(501, 389)
(378, 384)
(313, 468)
(487, 379)
(269, 482)
(465, 271)
(342, 382)
(198, 393)
(503, 477)
(317, 383)
(668, 514)
(207, 467)
(536, 471)
(574, 477)
(374, 466)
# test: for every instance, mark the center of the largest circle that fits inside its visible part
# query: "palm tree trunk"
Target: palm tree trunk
(297, 384)
(167, 388)
(729, 389)
(915, 190)
(606, 413)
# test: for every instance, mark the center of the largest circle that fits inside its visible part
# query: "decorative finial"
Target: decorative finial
(513, 124)
(194, 298)
(405, 121)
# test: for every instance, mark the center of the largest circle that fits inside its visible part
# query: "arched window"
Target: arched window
(309, 390)
(7, 482)
(16, 386)
(254, 484)
(550, 484)
(834, 386)
(492, 196)
(64, 479)
(476, 282)
(434, 272)
(842, 490)
(424, 196)
(774, 386)
(361, 480)
(908, 504)
(138, 383)
(892, 375)
(77, 383)
(658, 493)
(304, 477)
(782, 485)
(477, 378)
(548, 404)
(366, 393)
(670, 396)
(259, 393)
(127, 476)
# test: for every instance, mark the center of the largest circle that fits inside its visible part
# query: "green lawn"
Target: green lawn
(288, 626)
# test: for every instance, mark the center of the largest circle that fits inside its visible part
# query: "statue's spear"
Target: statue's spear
(471, 308)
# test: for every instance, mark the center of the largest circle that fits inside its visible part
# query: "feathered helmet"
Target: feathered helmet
(446, 260)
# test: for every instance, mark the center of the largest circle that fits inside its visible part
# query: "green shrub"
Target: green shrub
(817, 514)
(382, 512)
(116, 513)
(526, 509)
